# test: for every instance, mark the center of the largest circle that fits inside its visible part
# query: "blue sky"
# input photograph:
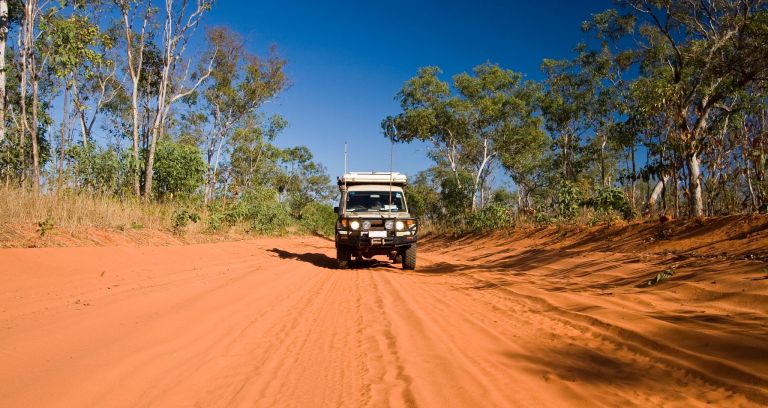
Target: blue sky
(347, 59)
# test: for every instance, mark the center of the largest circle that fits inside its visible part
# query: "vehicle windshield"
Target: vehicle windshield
(374, 201)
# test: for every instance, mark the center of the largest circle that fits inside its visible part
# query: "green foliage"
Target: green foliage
(71, 41)
(491, 217)
(217, 220)
(542, 218)
(259, 210)
(568, 201)
(256, 162)
(181, 219)
(487, 115)
(11, 162)
(95, 169)
(302, 180)
(240, 81)
(502, 196)
(456, 194)
(610, 199)
(45, 226)
(178, 170)
(318, 219)
(422, 197)
(685, 85)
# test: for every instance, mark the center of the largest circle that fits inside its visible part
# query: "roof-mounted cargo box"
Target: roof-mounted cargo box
(372, 177)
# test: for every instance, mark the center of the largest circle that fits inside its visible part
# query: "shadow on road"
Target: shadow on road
(319, 260)
(325, 261)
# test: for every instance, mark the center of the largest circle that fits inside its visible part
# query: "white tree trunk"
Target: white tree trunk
(33, 135)
(175, 35)
(656, 193)
(135, 63)
(486, 159)
(3, 38)
(80, 113)
(694, 186)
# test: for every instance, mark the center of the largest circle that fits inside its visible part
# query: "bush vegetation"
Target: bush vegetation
(644, 118)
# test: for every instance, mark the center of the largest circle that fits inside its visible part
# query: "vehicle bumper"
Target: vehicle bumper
(362, 240)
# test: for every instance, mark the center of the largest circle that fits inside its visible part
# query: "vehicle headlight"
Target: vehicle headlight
(354, 225)
(389, 225)
(366, 225)
(399, 225)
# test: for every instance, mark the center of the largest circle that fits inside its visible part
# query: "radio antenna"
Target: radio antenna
(343, 204)
(391, 159)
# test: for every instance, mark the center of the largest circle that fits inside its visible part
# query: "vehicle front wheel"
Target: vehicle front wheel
(409, 258)
(343, 258)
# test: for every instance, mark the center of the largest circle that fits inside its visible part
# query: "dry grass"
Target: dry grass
(74, 212)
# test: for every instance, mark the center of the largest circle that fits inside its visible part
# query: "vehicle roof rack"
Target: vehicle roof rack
(372, 177)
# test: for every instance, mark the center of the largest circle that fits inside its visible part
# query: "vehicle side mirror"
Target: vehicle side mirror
(336, 210)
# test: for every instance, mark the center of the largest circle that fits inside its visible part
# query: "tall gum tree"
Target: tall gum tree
(70, 42)
(699, 54)
(240, 83)
(468, 128)
(34, 62)
(135, 33)
(181, 19)
(4, 25)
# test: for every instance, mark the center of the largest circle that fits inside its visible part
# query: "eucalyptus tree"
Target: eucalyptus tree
(176, 80)
(96, 85)
(34, 64)
(498, 109)
(135, 34)
(70, 43)
(575, 106)
(257, 163)
(698, 55)
(240, 84)
(253, 156)
(302, 180)
(4, 27)
(489, 113)
(428, 115)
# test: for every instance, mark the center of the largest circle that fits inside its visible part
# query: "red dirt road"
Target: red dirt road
(480, 323)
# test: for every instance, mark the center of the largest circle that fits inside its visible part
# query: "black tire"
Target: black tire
(398, 259)
(343, 258)
(409, 258)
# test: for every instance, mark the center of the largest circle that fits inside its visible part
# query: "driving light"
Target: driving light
(389, 225)
(354, 225)
(366, 225)
(399, 225)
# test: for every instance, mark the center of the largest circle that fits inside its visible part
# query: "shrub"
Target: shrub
(95, 169)
(260, 211)
(568, 201)
(217, 221)
(609, 199)
(181, 218)
(44, 226)
(178, 170)
(490, 217)
(319, 219)
(456, 198)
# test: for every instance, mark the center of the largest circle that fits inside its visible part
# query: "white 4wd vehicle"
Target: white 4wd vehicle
(374, 219)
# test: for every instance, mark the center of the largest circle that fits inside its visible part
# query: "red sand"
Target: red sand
(482, 322)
